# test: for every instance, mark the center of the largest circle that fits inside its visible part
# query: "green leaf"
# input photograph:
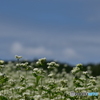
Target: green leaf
(3, 98)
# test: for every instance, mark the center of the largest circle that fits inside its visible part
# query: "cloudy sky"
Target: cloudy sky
(62, 30)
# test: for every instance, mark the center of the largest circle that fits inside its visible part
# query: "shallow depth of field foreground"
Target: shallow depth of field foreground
(24, 81)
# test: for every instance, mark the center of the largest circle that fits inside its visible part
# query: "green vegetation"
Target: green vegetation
(46, 81)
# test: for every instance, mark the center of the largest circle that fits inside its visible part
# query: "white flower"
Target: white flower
(80, 88)
(75, 70)
(51, 75)
(18, 57)
(85, 72)
(1, 62)
(35, 69)
(41, 61)
(53, 64)
(37, 97)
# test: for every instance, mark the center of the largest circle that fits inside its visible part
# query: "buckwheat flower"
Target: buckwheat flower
(30, 85)
(12, 89)
(79, 65)
(75, 70)
(41, 61)
(93, 81)
(37, 63)
(51, 75)
(58, 88)
(90, 87)
(1, 62)
(49, 67)
(17, 65)
(96, 89)
(82, 79)
(30, 67)
(89, 84)
(37, 97)
(80, 89)
(63, 81)
(11, 81)
(24, 64)
(91, 77)
(68, 99)
(21, 99)
(26, 94)
(18, 57)
(35, 69)
(11, 97)
(17, 96)
(22, 78)
(63, 89)
(85, 72)
(53, 64)
(1, 66)
(45, 87)
(1, 74)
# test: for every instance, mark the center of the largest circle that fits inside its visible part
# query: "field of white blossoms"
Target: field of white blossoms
(23, 81)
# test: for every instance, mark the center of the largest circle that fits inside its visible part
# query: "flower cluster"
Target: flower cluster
(40, 84)
(41, 61)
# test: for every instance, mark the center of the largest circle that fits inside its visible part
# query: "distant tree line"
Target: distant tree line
(95, 68)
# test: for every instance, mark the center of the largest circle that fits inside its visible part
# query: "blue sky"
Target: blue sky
(62, 30)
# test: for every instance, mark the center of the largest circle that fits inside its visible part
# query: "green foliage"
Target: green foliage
(30, 81)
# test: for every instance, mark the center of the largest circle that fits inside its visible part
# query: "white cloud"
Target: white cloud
(18, 48)
(70, 53)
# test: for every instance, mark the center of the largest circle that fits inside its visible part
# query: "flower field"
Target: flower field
(24, 81)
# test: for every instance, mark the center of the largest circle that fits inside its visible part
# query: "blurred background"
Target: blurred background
(62, 30)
